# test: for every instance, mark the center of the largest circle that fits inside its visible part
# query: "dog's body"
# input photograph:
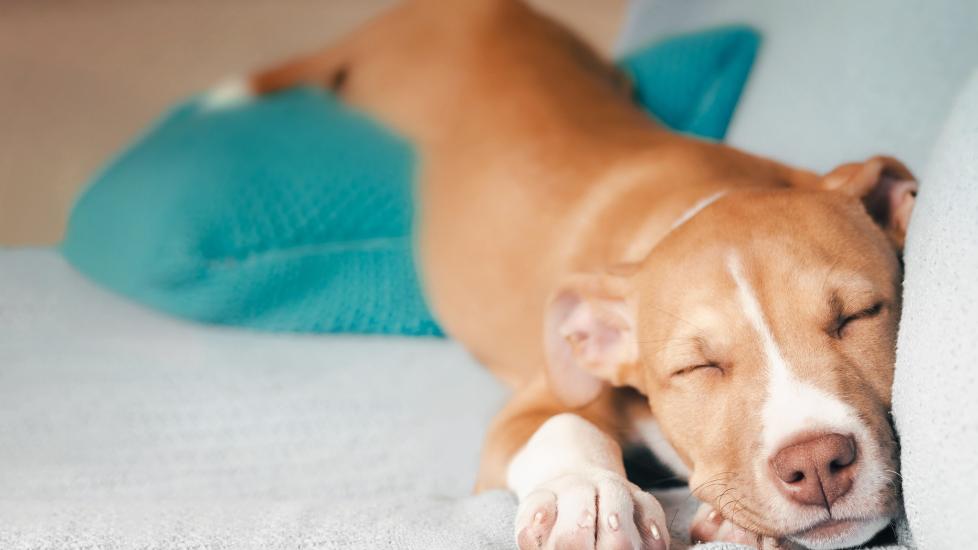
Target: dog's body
(566, 239)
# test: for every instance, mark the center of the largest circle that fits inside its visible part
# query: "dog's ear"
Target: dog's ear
(887, 189)
(590, 338)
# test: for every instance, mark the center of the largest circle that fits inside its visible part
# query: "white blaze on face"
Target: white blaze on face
(793, 407)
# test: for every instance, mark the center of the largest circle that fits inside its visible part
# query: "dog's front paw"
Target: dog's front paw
(709, 526)
(596, 510)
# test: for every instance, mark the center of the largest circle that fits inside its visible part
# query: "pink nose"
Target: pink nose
(817, 471)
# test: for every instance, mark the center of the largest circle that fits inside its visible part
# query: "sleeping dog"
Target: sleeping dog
(637, 287)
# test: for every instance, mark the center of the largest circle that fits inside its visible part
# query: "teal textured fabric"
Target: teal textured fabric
(294, 212)
(692, 82)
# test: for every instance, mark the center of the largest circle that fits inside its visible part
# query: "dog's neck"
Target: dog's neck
(623, 219)
(650, 233)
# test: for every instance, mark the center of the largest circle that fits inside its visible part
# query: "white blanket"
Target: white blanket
(120, 428)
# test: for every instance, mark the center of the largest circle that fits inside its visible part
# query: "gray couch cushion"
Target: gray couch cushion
(935, 401)
(836, 80)
(121, 428)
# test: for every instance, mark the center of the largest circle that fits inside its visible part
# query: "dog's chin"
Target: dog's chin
(836, 534)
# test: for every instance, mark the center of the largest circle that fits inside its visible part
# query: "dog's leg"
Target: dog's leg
(566, 468)
(573, 492)
(325, 69)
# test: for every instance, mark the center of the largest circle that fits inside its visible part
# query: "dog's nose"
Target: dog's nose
(817, 471)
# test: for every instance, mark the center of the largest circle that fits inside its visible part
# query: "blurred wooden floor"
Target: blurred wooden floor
(78, 80)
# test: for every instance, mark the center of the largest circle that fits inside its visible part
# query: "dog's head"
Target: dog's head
(762, 329)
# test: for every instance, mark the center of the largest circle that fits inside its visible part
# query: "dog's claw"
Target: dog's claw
(600, 510)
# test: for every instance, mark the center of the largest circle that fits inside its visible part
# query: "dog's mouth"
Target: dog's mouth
(840, 533)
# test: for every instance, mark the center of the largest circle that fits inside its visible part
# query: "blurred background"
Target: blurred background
(79, 80)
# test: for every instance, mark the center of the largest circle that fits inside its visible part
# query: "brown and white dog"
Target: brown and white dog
(630, 283)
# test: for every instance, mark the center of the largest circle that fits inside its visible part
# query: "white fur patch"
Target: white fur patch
(564, 444)
(793, 406)
(860, 535)
(228, 94)
(650, 232)
(697, 208)
(571, 468)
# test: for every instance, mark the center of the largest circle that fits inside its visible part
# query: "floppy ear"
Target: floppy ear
(590, 338)
(887, 189)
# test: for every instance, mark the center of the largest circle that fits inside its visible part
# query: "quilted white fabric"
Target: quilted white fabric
(121, 428)
(935, 394)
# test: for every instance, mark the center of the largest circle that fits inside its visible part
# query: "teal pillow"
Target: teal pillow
(294, 212)
(692, 82)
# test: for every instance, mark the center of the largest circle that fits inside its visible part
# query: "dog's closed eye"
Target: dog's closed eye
(843, 321)
(711, 368)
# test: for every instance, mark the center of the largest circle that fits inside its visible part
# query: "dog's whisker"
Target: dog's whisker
(712, 480)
